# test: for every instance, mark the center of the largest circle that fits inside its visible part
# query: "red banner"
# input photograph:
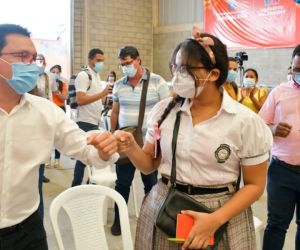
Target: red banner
(253, 23)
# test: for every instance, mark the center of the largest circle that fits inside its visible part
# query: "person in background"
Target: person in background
(59, 98)
(230, 85)
(108, 101)
(125, 112)
(216, 136)
(249, 93)
(289, 75)
(29, 128)
(89, 93)
(281, 112)
(45, 86)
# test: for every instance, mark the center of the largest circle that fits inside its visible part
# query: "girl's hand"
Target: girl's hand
(205, 226)
(125, 140)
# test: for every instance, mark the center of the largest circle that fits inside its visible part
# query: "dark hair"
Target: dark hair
(253, 70)
(296, 51)
(57, 66)
(112, 73)
(8, 29)
(231, 59)
(196, 53)
(128, 51)
(94, 52)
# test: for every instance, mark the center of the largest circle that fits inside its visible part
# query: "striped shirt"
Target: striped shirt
(129, 98)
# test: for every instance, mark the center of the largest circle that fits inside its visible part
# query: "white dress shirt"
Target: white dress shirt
(90, 113)
(210, 152)
(27, 136)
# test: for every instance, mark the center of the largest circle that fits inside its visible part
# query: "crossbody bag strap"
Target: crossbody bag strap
(174, 146)
(143, 100)
(47, 86)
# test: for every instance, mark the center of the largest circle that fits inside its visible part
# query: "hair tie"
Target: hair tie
(205, 42)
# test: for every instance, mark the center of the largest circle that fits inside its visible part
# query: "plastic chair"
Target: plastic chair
(83, 205)
(259, 232)
(107, 177)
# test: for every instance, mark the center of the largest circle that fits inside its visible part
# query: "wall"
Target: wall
(110, 25)
(113, 24)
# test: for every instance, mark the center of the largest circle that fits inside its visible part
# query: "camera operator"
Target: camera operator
(249, 94)
(230, 85)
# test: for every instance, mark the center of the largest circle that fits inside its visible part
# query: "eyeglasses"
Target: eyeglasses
(184, 69)
(125, 64)
(296, 70)
(26, 56)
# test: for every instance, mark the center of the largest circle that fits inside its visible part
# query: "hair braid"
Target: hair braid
(171, 105)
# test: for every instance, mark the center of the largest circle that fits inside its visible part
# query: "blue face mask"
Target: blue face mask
(129, 70)
(24, 76)
(56, 76)
(248, 83)
(99, 66)
(297, 78)
(231, 75)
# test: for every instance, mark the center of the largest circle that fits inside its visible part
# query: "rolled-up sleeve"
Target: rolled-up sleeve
(257, 141)
(72, 141)
(268, 109)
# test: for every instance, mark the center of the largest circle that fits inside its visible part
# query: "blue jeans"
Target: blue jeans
(125, 175)
(283, 189)
(40, 186)
(79, 166)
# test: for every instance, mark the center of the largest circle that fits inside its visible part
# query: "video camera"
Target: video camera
(240, 57)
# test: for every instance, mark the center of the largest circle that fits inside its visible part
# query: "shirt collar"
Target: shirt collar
(228, 104)
(23, 101)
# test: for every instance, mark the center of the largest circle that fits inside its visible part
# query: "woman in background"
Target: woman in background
(59, 98)
(249, 94)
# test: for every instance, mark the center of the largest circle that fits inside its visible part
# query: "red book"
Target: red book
(184, 226)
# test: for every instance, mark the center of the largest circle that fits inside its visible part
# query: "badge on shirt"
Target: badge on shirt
(222, 153)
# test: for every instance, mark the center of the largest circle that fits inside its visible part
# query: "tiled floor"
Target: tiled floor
(61, 180)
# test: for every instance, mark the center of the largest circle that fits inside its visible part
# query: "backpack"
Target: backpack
(72, 98)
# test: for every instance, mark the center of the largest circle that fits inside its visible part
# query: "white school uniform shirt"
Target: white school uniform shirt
(90, 113)
(41, 85)
(27, 136)
(210, 152)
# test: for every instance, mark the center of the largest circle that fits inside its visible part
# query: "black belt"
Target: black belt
(14, 228)
(192, 190)
(295, 168)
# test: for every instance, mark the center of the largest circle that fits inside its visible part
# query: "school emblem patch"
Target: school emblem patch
(222, 153)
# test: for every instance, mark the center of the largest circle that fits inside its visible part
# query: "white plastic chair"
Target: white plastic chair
(83, 204)
(107, 177)
(259, 232)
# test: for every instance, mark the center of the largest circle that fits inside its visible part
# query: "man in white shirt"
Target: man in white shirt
(29, 128)
(89, 93)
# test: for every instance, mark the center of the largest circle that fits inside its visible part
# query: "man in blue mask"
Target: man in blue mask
(30, 126)
(125, 112)
(230, 84)
(89, 92)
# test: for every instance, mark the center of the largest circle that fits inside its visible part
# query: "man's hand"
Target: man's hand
(105, 143)
(282, 129)
(107, 90)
